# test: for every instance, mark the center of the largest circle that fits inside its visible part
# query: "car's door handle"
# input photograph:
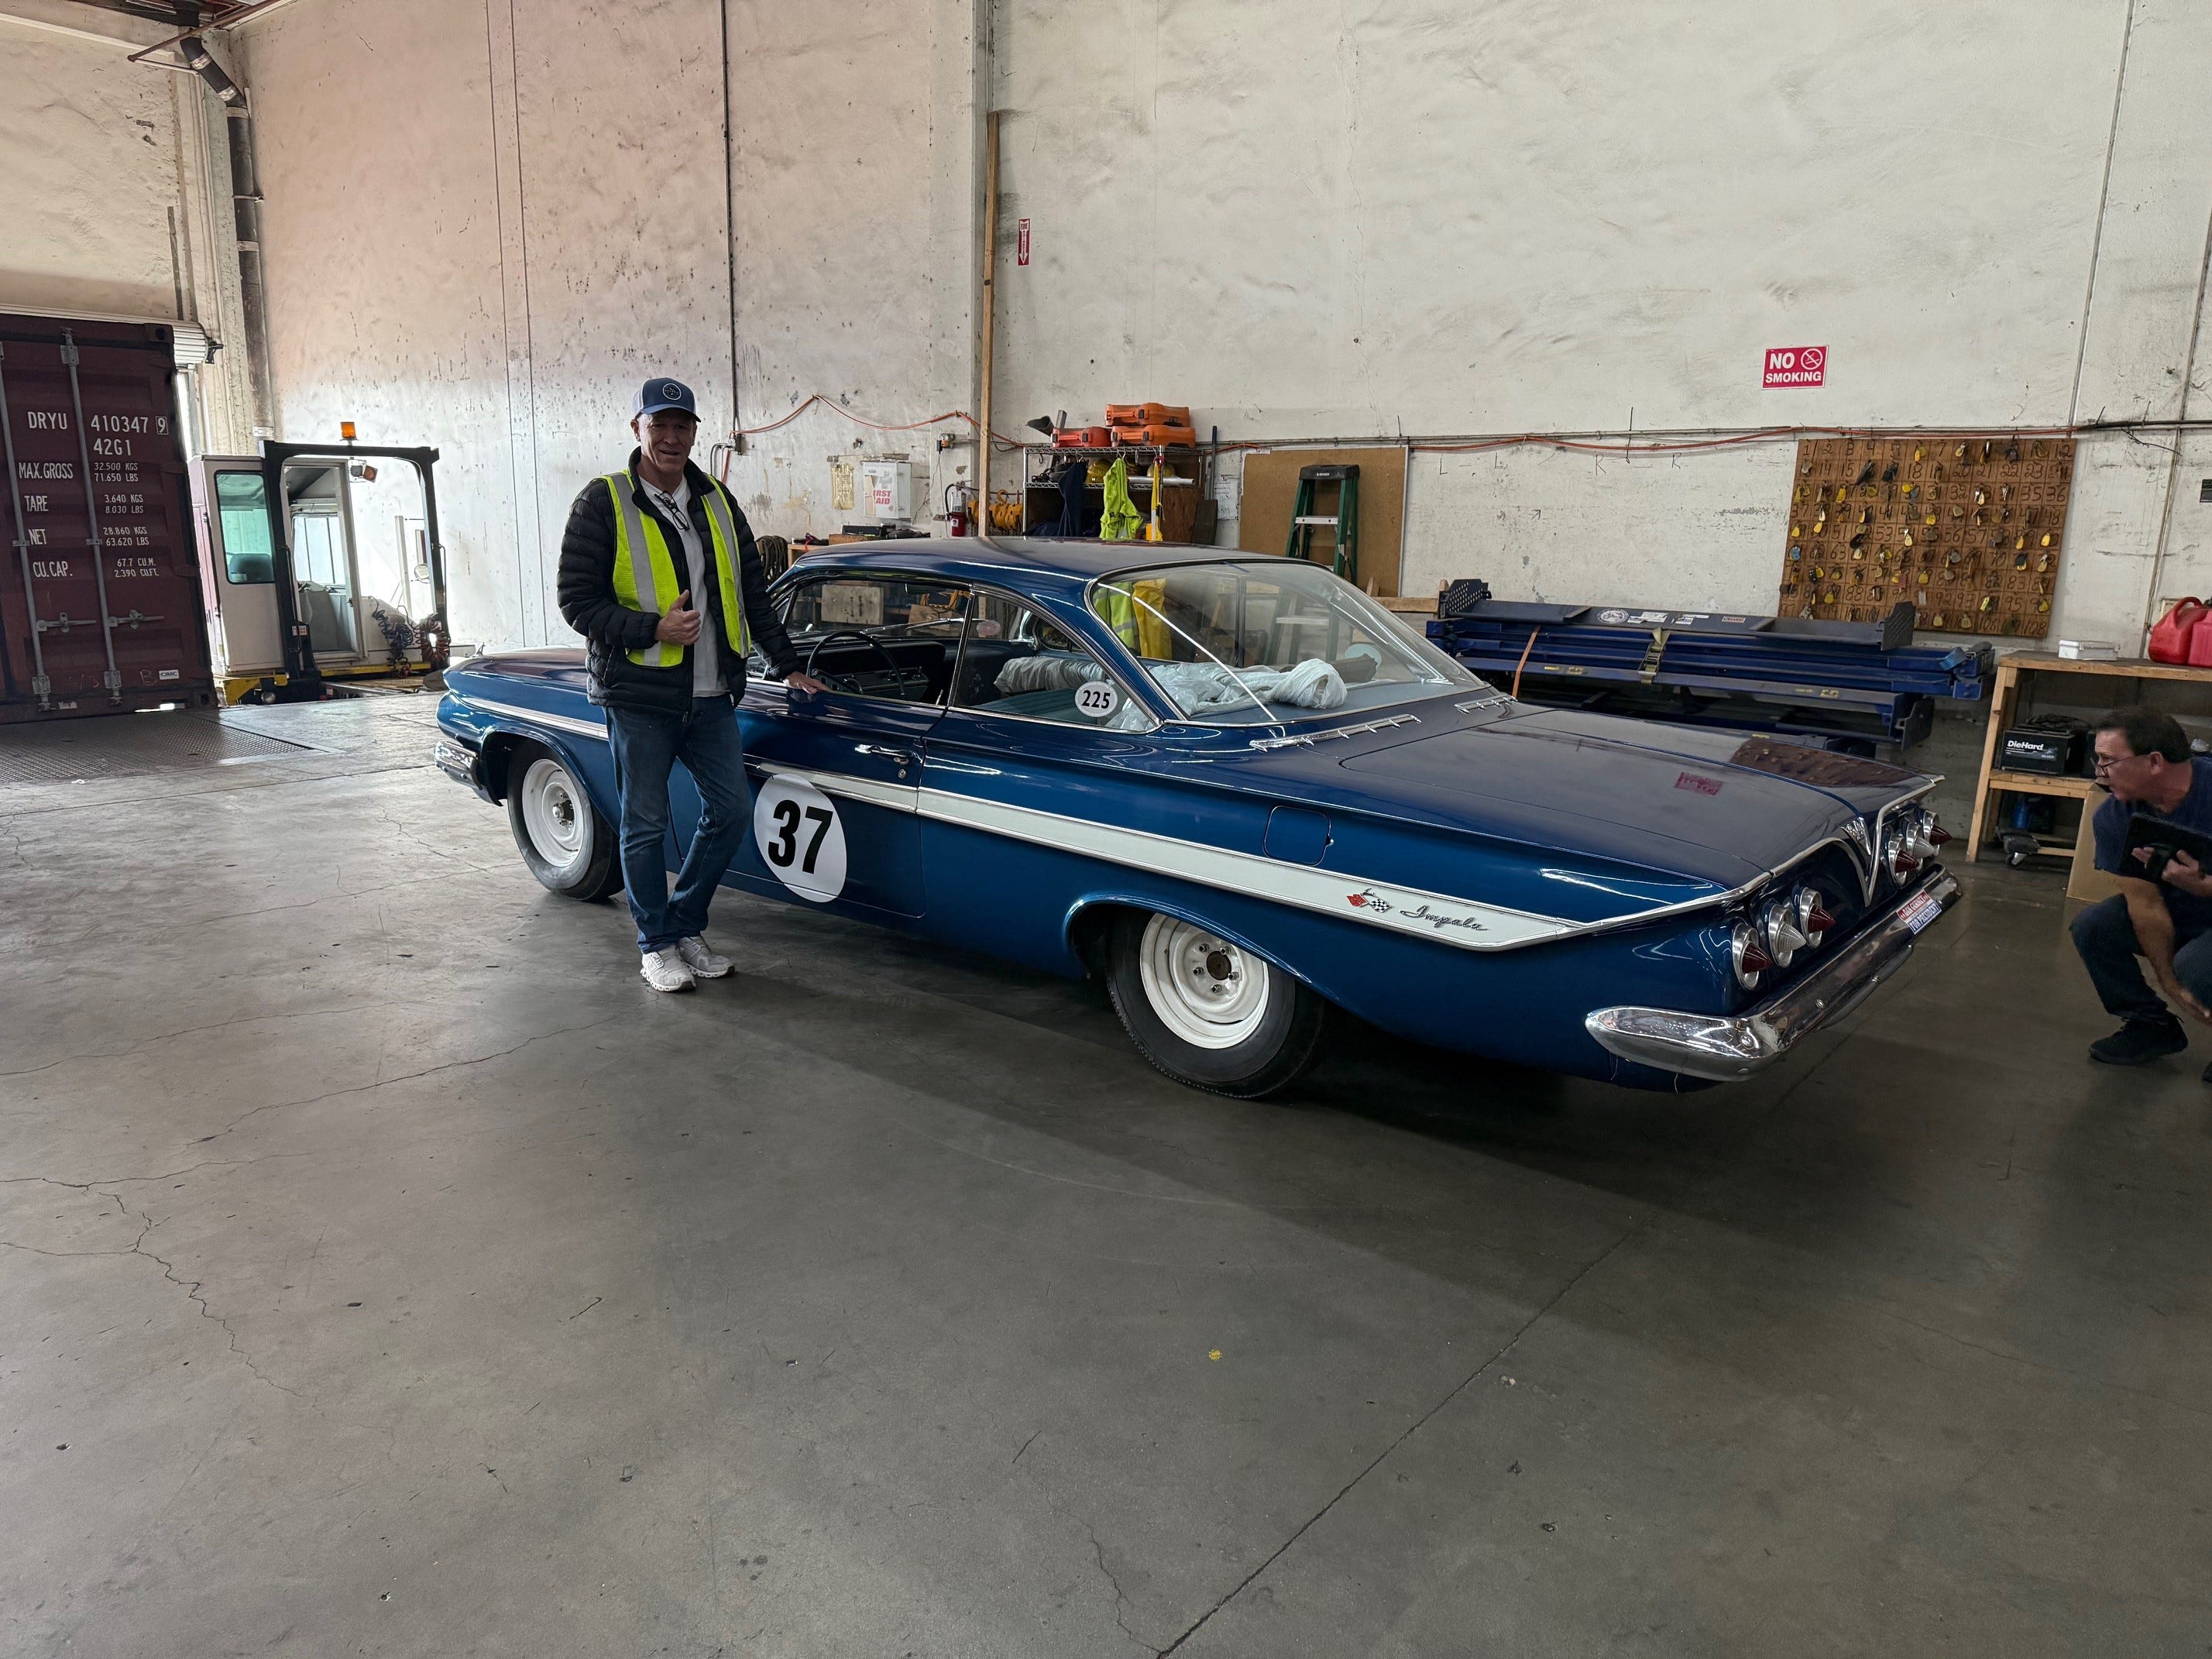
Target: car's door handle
(897, 757)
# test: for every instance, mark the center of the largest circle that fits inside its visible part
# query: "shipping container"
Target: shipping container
(100, 608)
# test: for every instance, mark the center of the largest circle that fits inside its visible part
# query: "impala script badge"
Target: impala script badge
(1368, 899)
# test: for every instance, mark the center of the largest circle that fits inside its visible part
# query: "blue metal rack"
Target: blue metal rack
(1857, 683)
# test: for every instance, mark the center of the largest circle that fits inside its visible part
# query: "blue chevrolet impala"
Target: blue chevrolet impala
(1242, 793)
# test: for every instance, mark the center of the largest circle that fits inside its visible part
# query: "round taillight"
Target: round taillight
(1812, 918)
(1779, 931)
(1898, 856)
(1749, 954)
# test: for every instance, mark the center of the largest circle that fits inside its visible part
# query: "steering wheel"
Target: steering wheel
(850, 684)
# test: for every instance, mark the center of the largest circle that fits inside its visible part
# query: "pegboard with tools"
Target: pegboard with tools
(1968, 529)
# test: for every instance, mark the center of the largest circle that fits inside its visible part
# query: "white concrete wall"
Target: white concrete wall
(1453, 218)
(97, 154)
(487, 223)
(1426, 217)
(88, 172)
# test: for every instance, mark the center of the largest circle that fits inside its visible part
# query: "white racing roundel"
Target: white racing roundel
(1097, 699)
(796, 827)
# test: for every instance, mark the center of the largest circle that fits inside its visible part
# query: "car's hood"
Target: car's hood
(1719, 805)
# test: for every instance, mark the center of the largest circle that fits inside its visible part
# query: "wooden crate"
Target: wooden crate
(1968, 529)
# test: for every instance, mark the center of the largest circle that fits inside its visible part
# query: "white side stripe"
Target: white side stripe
(1404, 910)
(1457, 922)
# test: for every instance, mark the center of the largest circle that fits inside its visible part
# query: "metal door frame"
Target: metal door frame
(343, 496)
(292, 633)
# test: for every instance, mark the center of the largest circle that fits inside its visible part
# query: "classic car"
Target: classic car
(1244, 794)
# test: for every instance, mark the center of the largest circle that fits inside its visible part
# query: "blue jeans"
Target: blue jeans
(2105, 937)
(647, 743)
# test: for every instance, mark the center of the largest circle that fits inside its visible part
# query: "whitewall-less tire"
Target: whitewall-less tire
(568, 846)
(1206, 1011)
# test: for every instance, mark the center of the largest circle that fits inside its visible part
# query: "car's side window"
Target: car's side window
(1017, 661)
(866, 635)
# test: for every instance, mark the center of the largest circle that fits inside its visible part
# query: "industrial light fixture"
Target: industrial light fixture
(204, 65)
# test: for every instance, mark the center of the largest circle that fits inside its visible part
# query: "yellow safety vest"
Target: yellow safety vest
(643, 566)
(1133, 614)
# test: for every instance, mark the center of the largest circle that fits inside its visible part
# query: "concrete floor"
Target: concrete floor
(388, 1274)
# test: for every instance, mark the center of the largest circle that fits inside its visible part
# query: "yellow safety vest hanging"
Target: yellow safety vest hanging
(1121, 519)
(642, 566)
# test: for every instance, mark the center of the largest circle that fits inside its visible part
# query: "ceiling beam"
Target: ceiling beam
(71, 20)
(182, 13)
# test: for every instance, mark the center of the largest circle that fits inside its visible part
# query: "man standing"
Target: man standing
(643, 548)
(2144, 758)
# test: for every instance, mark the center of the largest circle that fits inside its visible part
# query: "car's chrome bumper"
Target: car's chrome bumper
(461, 765)
(1727, 1048)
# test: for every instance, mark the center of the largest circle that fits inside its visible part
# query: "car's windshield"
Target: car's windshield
(1269, 641)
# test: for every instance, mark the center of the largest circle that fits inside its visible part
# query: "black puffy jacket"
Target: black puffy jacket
(612, 630)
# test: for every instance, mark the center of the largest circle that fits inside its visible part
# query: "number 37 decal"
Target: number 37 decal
(796, 829)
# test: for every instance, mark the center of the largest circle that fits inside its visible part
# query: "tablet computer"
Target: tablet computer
(2153, 840)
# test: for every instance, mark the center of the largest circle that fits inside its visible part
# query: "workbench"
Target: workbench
(2022, 676)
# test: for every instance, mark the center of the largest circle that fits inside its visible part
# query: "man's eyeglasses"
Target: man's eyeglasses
(2106, 762)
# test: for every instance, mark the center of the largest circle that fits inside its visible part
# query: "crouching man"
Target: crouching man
(2144, 758)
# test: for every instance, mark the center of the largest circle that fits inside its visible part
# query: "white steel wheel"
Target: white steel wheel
(557, 816)
(1209, 1013)
(1205, 990)
(564, 840)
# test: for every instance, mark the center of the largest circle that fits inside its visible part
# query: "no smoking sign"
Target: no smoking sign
(1796, 366)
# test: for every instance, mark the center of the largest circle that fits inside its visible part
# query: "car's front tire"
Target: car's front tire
(1207, 1013)
(568, 846)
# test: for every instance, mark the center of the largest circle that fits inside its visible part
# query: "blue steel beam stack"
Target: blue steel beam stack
(1856, 683)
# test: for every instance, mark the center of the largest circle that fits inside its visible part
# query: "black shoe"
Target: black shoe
(2140, 1042)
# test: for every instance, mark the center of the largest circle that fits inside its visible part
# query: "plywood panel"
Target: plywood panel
(1969, 529)
(1271, 483)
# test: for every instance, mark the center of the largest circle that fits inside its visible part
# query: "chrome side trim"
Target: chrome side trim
(557, 722)
(1725, 1049)
(1309, 739)
(894, 797)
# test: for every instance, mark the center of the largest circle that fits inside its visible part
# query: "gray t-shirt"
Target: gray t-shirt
(706, 654)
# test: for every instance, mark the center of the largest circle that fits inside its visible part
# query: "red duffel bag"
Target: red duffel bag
(2173, 634)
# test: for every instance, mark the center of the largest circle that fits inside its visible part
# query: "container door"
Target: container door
(100, 607)
(242, 567)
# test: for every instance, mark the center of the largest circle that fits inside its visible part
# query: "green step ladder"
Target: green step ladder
(1343, 523)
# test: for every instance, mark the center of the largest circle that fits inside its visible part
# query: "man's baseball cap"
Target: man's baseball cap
(656, 395)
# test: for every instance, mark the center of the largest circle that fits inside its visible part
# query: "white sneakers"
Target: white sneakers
(703, 963)
(683, 966)
(664, 971)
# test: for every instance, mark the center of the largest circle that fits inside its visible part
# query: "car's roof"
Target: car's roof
(1019, 560)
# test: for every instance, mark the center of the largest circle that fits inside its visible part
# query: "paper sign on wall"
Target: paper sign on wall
(1795, 366)
(1022, 243)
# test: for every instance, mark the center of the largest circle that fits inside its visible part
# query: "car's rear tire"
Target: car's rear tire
(1207, 1013)
(568, 846)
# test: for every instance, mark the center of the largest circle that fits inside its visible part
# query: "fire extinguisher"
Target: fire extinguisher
(956, 509)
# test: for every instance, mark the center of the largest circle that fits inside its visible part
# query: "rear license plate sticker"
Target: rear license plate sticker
(1918, 911)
